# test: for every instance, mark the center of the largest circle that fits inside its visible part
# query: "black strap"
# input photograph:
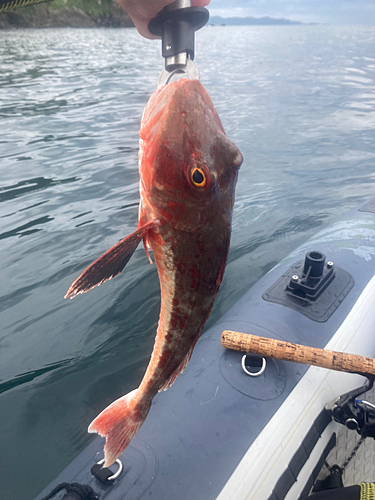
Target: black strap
(80, 491)
(333, 480)
(348, 493)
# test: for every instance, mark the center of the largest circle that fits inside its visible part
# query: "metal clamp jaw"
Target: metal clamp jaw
(176, 25)
(356, 414)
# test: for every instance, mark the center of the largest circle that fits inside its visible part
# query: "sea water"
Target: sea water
(299, 101)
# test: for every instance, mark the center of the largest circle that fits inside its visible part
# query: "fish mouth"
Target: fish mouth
(183, 93)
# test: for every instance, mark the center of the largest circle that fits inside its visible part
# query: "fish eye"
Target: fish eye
(198, 177)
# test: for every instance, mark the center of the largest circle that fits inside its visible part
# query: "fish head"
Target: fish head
(188, 166)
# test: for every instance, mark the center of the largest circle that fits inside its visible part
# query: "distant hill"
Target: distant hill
(98, 13)
(240, 21)
(67, 13)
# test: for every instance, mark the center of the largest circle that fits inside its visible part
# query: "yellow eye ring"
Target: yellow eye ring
(198, 177)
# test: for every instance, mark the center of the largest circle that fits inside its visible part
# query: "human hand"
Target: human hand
(142, 11)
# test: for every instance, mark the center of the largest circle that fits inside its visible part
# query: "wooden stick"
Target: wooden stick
(278, 349)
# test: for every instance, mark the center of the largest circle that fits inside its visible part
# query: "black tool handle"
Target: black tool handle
(177, 29)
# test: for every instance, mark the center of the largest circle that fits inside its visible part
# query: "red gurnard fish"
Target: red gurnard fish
(188, 173)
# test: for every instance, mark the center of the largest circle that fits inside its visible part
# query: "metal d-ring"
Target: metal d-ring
(116, 474)
(253, 374)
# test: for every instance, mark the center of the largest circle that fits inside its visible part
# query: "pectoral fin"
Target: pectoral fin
(109, 264)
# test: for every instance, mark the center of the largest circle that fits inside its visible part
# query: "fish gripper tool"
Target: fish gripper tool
(176, 24)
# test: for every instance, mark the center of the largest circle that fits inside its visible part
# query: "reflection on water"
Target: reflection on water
(25, 187)
(298, 100)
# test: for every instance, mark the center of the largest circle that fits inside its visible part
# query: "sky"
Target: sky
(318, 11)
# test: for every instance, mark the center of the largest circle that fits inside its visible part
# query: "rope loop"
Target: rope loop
(83, 490)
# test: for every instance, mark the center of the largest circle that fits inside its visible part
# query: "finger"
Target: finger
(200, 3)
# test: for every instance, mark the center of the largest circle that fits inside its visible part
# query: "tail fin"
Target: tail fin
(119, 423)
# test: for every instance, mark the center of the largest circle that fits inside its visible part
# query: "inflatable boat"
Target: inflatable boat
(234, 427)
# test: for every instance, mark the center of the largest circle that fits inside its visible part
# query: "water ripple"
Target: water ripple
(26, 187)
(298, 100)
(24, 378)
